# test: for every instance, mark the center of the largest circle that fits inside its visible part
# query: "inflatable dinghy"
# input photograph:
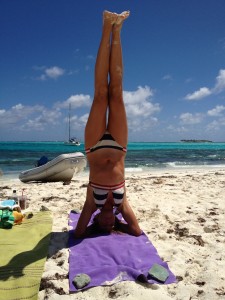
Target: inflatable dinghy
(61, 168)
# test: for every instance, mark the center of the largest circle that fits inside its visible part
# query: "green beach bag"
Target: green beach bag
(6, 218)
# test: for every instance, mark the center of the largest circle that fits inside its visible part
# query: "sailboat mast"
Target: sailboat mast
(69, 120)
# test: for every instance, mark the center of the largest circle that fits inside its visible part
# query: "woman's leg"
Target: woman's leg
(96, 124)
(117, 123)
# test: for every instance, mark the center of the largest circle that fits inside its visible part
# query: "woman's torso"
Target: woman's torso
(106, 166)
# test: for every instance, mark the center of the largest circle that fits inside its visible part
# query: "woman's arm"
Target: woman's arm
(132, 226)
(88, 209)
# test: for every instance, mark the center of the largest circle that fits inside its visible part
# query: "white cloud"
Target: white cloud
(18, 113)
(78, 123)
(38, 118)
(139, 107)
(213, 126)
(2, 111)
(177, 129)
(220, 82)
(28, 118)
(33, 125)
(52, 73)
(83, 119)
(76, 101)
(204, 91)
(189, 119)
(197, 95)
(216, 125)
(167, 77)
(139, 102)
(18, 107)
(42, 77)
(40, 122)
(215, 112)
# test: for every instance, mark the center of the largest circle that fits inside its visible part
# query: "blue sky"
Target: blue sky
(174, 67)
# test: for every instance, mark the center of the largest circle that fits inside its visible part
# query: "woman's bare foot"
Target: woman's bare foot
(121, 17)
(119, 21)
(109, 17)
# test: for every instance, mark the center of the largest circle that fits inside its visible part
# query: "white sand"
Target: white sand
(183, 214)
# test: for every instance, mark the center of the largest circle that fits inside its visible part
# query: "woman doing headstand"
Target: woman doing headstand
(106, 136)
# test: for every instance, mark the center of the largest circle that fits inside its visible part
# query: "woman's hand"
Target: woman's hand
(132, 226)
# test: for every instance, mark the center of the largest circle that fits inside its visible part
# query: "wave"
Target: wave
(192, 165)
(137, 169)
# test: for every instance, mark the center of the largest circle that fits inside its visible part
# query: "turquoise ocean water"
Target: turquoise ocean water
(18, 156)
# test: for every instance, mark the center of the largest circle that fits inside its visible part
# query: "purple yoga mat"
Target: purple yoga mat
(112, 258)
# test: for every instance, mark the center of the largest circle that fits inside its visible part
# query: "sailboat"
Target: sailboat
(72, 141)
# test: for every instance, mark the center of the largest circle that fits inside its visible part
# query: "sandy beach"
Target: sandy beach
(182, 212)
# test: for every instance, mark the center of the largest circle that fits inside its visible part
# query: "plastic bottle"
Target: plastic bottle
(22, 201)
(14, 196)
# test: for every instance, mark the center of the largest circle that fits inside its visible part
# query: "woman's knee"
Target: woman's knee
(101, 93)
(116, 92)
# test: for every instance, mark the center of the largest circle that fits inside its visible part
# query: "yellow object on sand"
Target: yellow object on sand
(18, 217)
(23, 251)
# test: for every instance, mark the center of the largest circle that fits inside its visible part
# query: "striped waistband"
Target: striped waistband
(89, 150)
(106, 141)
(107, 187)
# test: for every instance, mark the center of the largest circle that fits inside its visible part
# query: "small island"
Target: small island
(196, 141)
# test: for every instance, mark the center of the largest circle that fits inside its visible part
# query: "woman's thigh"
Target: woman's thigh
(96, 124)
(117, 121)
